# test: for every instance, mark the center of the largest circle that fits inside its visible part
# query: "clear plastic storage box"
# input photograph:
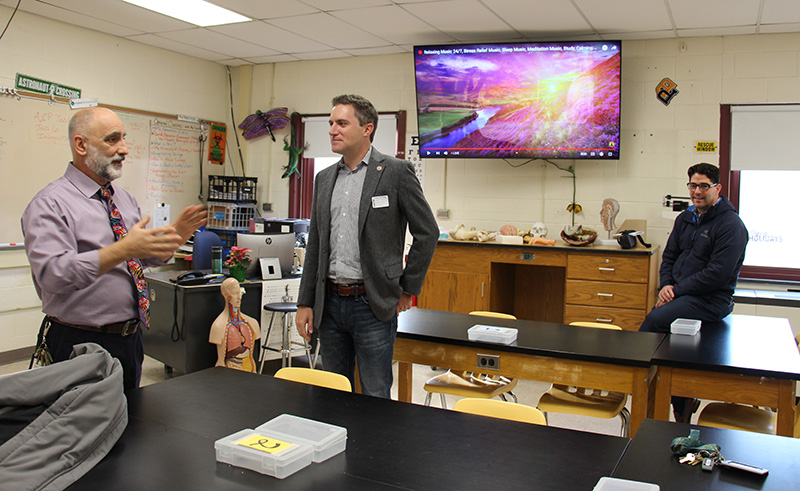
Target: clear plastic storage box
(492, 334)
(326, 439)
(265, 452)
(689, 327)
(615, 484)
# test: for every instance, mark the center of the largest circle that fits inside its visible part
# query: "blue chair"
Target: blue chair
(201, 253)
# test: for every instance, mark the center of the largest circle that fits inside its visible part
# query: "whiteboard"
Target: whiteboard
(163, 165)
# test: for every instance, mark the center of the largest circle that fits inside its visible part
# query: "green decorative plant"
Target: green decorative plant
(237, 262)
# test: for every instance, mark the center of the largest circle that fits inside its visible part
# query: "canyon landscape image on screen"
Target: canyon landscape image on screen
(526, 100)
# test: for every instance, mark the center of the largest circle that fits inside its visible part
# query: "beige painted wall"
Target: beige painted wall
(657, 143)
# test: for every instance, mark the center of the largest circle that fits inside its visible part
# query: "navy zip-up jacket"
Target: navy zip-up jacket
(704, 254)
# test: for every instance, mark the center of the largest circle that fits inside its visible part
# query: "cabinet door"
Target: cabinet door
(455, 292)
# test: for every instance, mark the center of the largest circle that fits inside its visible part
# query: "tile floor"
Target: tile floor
(527, 391)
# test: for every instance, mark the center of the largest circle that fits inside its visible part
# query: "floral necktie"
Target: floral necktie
(134, 266)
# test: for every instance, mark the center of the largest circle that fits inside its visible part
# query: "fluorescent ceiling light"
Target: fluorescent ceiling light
(197, 12)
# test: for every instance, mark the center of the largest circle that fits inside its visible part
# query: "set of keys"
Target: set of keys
(708, 461)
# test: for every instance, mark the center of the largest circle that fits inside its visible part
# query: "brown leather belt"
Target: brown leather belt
(347, 290)
(125, 328)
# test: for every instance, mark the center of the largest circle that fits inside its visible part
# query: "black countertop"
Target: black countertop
(629, 348)
(649, 459)
(169, 442)
(739, 344)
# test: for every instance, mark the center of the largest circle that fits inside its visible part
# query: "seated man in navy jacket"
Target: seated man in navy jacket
(700, 264)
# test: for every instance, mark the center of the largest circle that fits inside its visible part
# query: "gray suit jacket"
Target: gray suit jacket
(381, 235)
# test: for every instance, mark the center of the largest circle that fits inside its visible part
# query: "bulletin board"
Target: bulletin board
(163, 166)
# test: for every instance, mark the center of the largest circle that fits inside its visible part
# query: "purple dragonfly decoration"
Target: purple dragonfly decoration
(262, 123)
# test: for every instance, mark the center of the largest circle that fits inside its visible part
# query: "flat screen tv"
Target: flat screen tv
(554, 100)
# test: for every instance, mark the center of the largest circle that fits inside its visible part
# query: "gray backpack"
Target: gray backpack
(78, 411)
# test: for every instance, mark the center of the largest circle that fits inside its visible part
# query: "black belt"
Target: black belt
(353, 289)
(125, 328)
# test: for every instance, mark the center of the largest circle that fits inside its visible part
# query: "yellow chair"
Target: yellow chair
(738, 417)
(742, 417)
(587, 402)
(319, 378)
(469, 384)
(598, 325)
(496, 315)
(500, 409)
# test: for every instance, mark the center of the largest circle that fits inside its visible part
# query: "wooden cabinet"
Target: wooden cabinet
(455, 292)
(554, 284)
(610, 288)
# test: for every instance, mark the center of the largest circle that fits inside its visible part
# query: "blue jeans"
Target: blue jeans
(349, 331)
(711, 308)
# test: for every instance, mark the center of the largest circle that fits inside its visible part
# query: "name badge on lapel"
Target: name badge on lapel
(380, 201)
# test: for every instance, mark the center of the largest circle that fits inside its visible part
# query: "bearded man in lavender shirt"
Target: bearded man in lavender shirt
(78, 264)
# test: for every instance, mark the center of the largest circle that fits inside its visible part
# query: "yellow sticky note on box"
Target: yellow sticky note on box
(264, 444)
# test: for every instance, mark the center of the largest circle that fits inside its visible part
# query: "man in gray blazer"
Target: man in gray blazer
(354, 283)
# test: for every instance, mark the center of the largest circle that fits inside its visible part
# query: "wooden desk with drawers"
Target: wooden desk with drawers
(554, 284)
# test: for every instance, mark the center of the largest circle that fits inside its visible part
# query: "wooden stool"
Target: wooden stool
(286, 348)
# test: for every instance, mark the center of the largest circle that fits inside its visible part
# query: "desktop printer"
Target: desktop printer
(261, 225)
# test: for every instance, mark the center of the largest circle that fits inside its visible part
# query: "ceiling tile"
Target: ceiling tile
(171, 45)
(526, 16)
(386, 50)
(329, 30)
(626, 16)
(716, 31)
(234, 62)
(334, 28)
(258, 60)
(626, 36)
(780, 11)
(691, 14)
(272, 37)
(266, 9)
(465, 20)
(220, 43)
(70, 17)
(119, 12)
(776, 28)
(394, 24)
(331, 5)
(322, 55)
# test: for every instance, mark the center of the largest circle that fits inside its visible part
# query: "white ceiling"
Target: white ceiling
(291, 30)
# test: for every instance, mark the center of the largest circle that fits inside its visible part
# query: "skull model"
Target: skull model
(539, 229)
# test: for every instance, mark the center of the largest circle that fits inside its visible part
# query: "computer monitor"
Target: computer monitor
(268, 245)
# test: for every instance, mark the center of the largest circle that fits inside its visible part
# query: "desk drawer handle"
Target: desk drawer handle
(605, 294)
(606, 269)
(605, 320)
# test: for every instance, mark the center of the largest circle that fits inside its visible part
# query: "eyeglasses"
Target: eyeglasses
(704, 186)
